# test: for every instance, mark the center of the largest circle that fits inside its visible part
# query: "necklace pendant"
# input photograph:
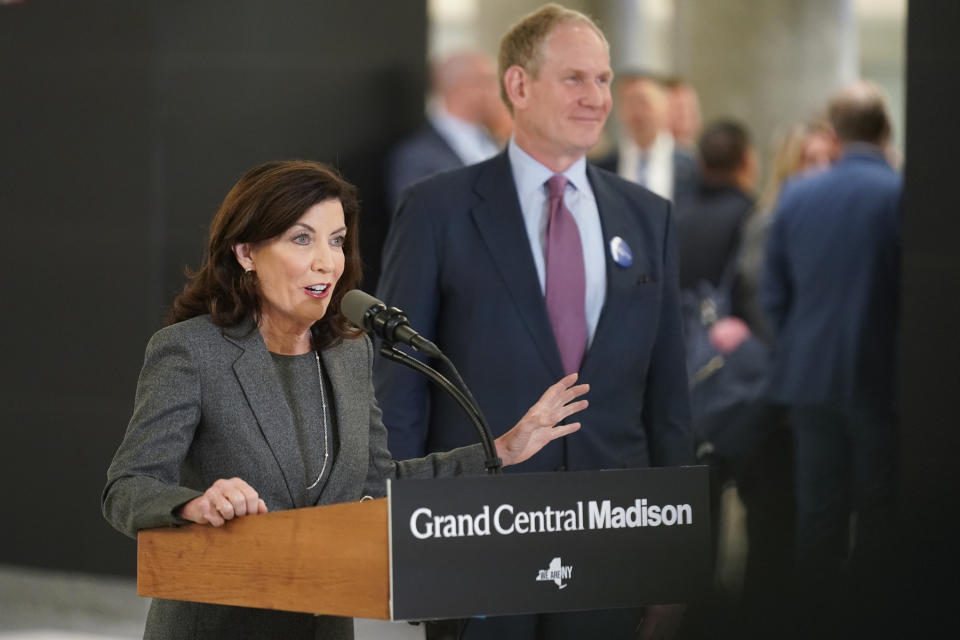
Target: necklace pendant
(323, 414)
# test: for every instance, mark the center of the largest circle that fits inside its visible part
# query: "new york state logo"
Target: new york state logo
(557, 572)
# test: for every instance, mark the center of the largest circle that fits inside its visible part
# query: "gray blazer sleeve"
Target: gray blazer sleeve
(143, 481)
(462, 461)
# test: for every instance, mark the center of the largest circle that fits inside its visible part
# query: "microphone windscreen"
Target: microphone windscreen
(355, 304)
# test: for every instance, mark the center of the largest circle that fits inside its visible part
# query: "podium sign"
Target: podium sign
(541, 542)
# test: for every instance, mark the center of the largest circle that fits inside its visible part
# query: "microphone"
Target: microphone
(390, 324)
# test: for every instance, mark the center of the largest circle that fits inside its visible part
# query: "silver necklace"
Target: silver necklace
(323, 408)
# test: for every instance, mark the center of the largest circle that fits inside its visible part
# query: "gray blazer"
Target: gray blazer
(209, 405)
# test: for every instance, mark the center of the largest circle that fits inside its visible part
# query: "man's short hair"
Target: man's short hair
(858, 113)
(626, 76)
(456, 68)
(675, 81)
(723, 149)
(523, 44)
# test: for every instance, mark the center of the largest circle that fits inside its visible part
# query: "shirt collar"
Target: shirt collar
(447, 122)
(469, 140)
(864, 149)
(662, 144)
(529, 175)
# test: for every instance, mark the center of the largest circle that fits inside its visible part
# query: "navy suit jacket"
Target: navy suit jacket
(708, 232)
(423, 154)
(831, 285)
(459, 263)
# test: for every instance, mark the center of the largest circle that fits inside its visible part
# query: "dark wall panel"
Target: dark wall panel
(930, 381)
(78, 279)
(123, 125)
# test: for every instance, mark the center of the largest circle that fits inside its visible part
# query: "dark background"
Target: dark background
(930, 340)
(122, 126)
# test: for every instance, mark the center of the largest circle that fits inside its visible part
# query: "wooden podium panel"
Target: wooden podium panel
(332, 560)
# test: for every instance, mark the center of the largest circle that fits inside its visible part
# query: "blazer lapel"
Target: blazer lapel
(258, 378)
(347, 416)
(500, 222)
(616, 219)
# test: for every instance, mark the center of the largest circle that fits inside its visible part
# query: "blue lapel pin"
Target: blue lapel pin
(620, 252)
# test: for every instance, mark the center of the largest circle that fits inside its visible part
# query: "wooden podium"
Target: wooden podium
(453, 547)
(332, 560)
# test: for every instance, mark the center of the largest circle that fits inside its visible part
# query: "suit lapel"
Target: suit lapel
(261, 386)
(500, 222)
(345, 413)
(615, 220)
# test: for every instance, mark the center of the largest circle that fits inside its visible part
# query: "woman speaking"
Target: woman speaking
(258, 394)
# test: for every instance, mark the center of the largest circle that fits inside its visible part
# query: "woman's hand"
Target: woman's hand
(224, 500)
(536, 428)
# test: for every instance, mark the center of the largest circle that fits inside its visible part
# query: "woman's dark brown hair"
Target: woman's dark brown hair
(264, 203)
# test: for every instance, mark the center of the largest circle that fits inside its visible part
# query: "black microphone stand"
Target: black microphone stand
(493, 463)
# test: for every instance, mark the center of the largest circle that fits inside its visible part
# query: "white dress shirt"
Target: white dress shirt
(530, 178)
(659, 163)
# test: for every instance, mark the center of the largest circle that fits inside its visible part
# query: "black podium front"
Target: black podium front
(528, 543)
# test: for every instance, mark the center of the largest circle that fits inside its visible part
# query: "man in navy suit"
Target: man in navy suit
(710, 221)
(831, 290)
(466, 261)
(646, 152)
(465, 118)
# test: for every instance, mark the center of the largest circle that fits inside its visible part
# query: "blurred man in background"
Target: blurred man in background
(710, 221)
(646, 152)
(466, 122)
(831, 290)
(685, 119)
(740, 436)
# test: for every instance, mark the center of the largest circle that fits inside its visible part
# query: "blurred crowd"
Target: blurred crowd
(790, 294)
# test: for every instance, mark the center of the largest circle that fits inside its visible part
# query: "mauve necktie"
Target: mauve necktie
(566, 280)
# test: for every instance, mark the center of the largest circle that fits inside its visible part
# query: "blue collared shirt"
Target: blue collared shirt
(530, 177)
